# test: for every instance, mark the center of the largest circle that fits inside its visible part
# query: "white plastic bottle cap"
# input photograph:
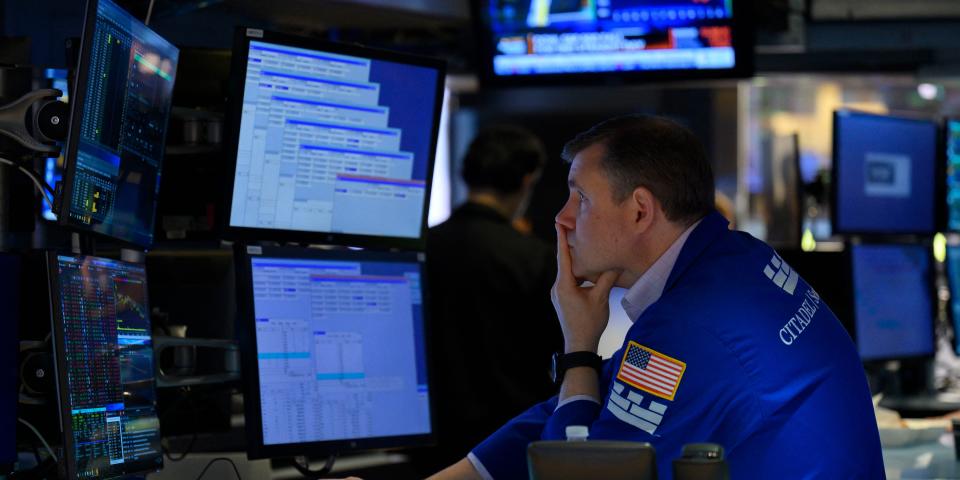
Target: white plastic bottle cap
(577, 432)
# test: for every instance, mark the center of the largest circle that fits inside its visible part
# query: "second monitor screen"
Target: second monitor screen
(340, 349)
(333, 143)
(893, 326)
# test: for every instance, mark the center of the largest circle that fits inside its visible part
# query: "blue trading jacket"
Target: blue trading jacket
(738, 351)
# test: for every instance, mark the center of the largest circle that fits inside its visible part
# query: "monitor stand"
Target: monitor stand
(908, 388)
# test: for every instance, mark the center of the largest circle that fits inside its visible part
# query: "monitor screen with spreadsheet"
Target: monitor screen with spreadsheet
(893, 298)
(334, 350)
(105, 366)
(333, 143)
(118, 126)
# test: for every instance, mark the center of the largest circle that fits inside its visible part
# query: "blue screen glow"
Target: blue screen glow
(333, 143)
(892, 301)
(885, 169)
(340, 349)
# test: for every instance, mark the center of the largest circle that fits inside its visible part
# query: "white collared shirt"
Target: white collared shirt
(649, 287)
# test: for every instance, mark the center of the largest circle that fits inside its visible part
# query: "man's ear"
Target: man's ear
(643, 205)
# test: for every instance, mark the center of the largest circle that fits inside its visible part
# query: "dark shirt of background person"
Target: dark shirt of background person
(493, 324)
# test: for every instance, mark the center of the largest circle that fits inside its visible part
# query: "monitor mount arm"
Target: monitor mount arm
(37, 129)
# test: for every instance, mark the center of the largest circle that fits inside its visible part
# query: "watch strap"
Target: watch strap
(566, 361)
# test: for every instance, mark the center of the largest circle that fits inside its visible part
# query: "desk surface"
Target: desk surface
(194, 463)
(926, 460)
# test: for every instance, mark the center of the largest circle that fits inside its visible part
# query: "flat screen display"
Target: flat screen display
(333, 141)
(952, 135)
(893, 301)
(105, 367)
(340, 355)
(953, 283)
(118, 126)
(537, 38)
(885, 174)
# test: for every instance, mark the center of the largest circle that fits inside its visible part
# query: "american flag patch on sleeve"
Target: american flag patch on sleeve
(651, 371)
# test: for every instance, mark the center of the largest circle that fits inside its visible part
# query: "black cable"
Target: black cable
(215, 460)
(186, 451)
(196, 419)
(305, 471)
(45, 190)
(34, 175)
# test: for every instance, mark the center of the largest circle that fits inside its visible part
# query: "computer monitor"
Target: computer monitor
(333, 347)
(105, 367)
(894, 303)
(331, 143)
(952, 137)
(118, 124)
(952, 265)
(535, 42)
(885, 174)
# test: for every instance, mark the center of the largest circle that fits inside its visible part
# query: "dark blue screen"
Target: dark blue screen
(885, 173)
(892, 301)
(410, 92)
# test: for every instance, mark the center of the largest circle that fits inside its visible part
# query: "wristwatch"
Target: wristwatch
(565, 361)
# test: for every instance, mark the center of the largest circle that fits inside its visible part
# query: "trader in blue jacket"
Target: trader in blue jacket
(728, 345)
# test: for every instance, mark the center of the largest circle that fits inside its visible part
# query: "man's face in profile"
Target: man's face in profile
(594, 221)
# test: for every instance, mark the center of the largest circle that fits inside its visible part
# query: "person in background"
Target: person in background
(492, 323)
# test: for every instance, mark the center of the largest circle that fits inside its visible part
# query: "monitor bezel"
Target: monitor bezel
(246, 335)
(71, 145)
(60, 365)
(938, 192)
(743, 45)
(931, 279)
(243, 37)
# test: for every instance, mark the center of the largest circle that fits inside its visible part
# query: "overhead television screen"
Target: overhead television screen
(669, 39)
